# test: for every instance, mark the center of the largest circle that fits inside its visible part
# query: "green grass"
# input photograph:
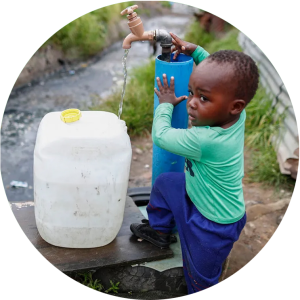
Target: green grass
(227, 42)
(86, 279)
(263, 125)
(197, 35)
(87, 35)
(265, 169)
(165, 4)
(138, 100)
(82, 37)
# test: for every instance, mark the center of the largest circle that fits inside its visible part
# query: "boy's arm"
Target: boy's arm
(183, 142)
(199, 54)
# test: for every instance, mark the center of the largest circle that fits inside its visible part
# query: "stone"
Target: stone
(248, 230)
(256, 211)
(148, 145)
(140, 278)
(251, 225)
(147, 175)
(251, 203)
(138, 151)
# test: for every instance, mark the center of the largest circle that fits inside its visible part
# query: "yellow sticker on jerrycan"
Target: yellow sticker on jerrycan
(70, 115)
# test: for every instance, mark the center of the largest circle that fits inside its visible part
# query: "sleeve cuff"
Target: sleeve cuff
(199, 54)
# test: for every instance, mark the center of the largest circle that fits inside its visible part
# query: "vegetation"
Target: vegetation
(87, 280)
(88, 34)
(197, 35)
(166, 4)
(263, 124)
(265, 169)
(228, 42)
(138, 100)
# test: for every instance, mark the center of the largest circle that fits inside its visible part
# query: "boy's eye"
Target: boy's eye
(190, 93)
(203, 98)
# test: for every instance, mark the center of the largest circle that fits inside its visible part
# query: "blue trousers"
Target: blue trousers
(204, 244)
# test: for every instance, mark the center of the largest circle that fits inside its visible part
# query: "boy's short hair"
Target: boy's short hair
(245, 71)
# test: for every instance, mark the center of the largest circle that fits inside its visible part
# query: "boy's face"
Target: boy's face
(211, 92)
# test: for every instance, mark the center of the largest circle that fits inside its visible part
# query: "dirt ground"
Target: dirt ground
(265, 206)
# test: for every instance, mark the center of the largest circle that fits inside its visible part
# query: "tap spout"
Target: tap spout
(146, 36)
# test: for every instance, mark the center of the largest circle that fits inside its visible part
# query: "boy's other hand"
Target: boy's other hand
(165, 93)
(181, 46)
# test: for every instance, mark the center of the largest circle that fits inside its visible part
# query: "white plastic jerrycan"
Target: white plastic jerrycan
(81, 171)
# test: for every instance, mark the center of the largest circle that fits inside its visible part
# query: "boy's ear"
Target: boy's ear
(237, 106)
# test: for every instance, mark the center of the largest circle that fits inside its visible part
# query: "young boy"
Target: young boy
(206, 203)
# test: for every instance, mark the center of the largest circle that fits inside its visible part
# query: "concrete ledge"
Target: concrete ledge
(124, 250)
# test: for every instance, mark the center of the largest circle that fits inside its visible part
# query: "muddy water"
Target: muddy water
(26, 108)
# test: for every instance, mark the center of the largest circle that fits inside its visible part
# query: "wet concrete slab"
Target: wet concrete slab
(125, 250)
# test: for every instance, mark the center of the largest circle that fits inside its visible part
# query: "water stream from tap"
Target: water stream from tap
(125, 77)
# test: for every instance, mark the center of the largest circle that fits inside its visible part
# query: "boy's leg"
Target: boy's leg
(205, 246)
(167, 198)
(169, 188)
(204, 243)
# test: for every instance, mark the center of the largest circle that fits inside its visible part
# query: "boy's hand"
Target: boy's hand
(165, 93)
(181, 46)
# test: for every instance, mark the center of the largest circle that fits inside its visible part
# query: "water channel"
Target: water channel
(26, 107)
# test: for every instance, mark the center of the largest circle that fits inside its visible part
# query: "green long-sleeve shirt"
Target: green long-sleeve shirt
(214, 160)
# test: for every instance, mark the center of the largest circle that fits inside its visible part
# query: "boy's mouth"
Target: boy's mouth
(192, 118)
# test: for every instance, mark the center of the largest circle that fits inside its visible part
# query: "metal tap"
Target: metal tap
(138, 34)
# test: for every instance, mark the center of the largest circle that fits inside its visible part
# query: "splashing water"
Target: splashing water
(125, 77)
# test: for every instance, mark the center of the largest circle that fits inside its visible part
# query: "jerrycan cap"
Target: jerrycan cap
(70, 115)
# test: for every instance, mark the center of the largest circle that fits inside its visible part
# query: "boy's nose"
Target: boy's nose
(192, 103)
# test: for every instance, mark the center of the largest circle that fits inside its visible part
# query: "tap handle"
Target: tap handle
(129, 10)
